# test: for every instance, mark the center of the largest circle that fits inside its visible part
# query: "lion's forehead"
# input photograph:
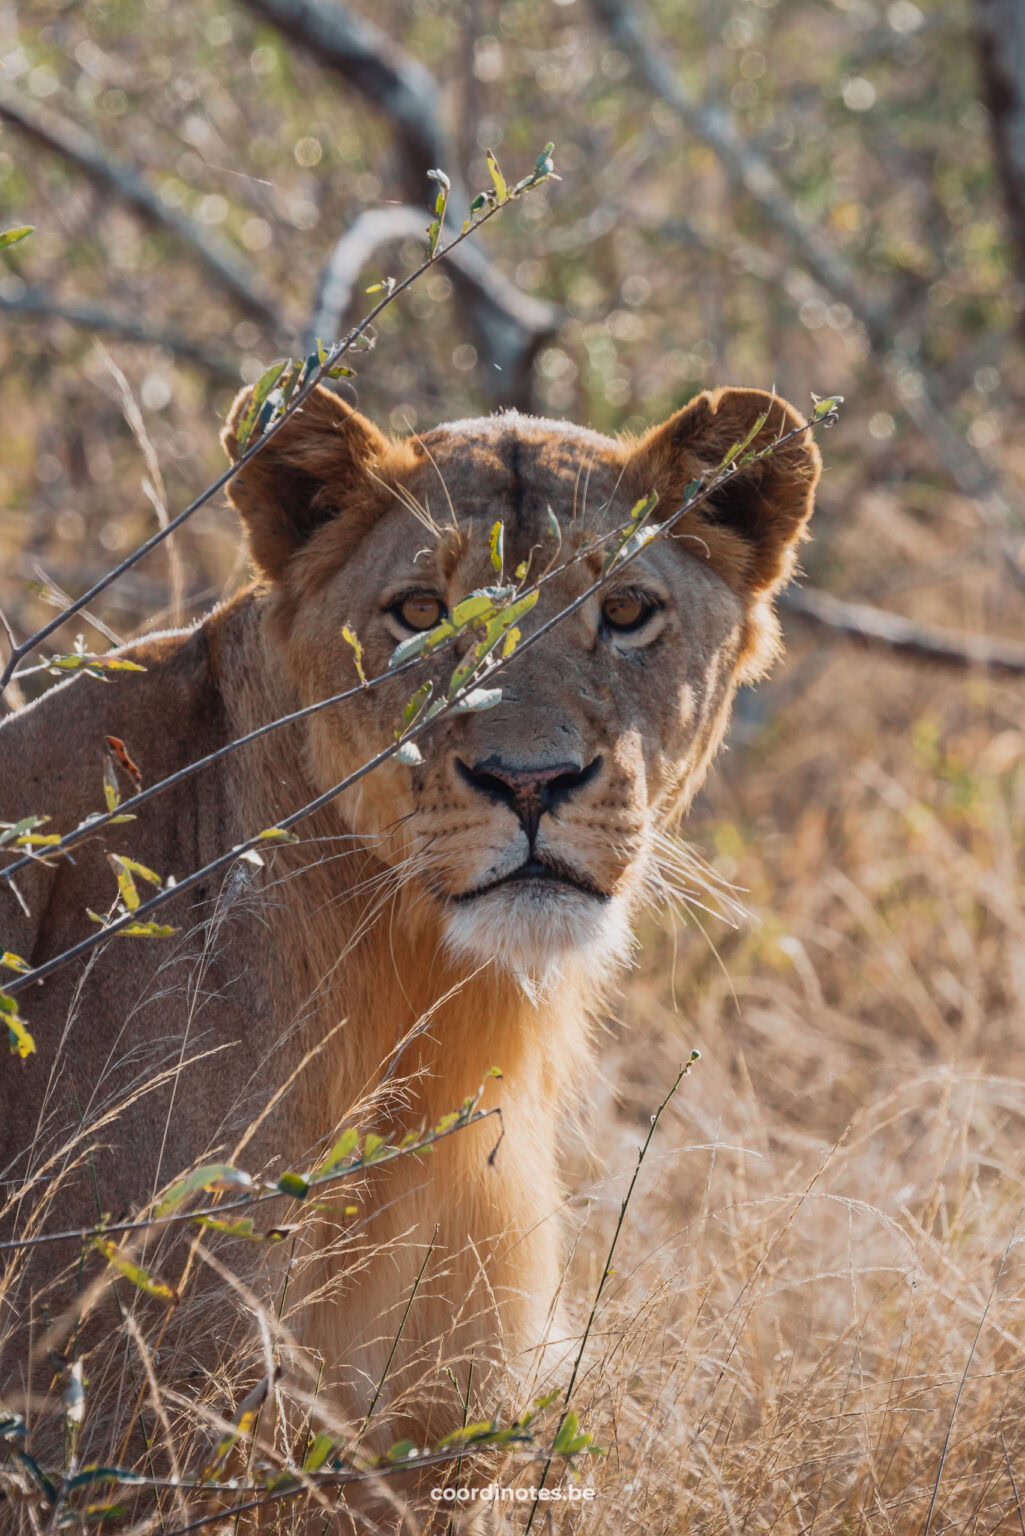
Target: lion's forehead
(525, 461)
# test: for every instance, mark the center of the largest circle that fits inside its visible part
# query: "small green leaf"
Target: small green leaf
(501, 190)
(343, 1148)
(12, 236)
(554, 527)
(111, 789)
(14, 962)
(497, 542)
(212, 1178)
(372, 1146)
(481, 201)
(138, 1277)
(21, 1042)
(278, 835)
(402, 1450)
(261, 389)
(349, 636)
(433, 236)
(17, 829)
(293, 1184)
(318, 1452)
(824, 406)
(414, 707)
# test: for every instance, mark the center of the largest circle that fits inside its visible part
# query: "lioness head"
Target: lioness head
(528, 829)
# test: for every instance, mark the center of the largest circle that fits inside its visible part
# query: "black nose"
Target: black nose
(529, 792)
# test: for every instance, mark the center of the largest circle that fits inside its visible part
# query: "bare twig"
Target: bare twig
(891, 632)
(607, 1271)
(91, 157)
(34, 303)
(508, 327)
(380, 226)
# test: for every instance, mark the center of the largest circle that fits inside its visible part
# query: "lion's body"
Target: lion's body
(282, 997)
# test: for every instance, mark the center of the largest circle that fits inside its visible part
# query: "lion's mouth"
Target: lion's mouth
(538, 872)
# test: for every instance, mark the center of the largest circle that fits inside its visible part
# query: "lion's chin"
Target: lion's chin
(535, 931)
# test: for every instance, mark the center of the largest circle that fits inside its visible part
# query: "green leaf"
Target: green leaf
(16, 829)
(138, 1277)
(479, 605)
(135, 930)
(21, 1042)
(402, 1450)
(433, 236)
(111, 788)
(554, 526)
(372, 1146)
(343, 1148)
(278, 835)
(12, 236)
(261, 389)
(124, 870)
(349, 636)
(14, 962)
(414, 707)
(497, 542)
(512, 640)
(501, 190)
(568, 1439)
(480, 201)
(293, 1184)
(212, 1178)
(318, 1452)
(824, 406)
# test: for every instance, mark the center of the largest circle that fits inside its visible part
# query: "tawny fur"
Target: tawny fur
(341, 945)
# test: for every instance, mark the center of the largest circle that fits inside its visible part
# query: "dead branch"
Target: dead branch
(34, 303)
(93, 159)
(508, 327)
(885, 330)
(1000, 33)
(889, 631)
(377, 227)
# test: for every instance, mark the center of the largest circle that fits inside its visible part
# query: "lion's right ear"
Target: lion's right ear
(304, 475)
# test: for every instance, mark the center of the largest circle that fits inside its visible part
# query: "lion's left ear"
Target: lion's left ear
(315, 465)
(750, 526)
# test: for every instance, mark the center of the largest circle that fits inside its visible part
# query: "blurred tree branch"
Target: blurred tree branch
(92, 317)
(1001, 39)
(509, 328)
(888, 334)
(377, 227)
(889, 631)
(92, 158)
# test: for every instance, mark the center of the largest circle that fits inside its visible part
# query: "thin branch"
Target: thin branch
(1000, 34)
(891, 632)
(35, 303)
(607, 1271)
(509, 328)
(91, 157)
(377, 227)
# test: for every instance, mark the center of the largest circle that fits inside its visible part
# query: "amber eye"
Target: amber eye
(624, 611)
(419, 610)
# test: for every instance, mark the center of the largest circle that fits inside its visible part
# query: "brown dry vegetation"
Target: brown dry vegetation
(832, 1208)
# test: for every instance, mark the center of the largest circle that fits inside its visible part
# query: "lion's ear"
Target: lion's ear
(304, 475)
(750, 526)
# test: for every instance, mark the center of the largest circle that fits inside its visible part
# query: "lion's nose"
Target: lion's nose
(528, 791)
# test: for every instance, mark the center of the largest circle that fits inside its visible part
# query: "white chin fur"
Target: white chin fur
(533, 931)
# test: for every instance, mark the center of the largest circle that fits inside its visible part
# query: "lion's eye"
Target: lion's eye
(626, 611)
(419, 610)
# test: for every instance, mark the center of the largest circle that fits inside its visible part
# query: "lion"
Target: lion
(434, 921)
